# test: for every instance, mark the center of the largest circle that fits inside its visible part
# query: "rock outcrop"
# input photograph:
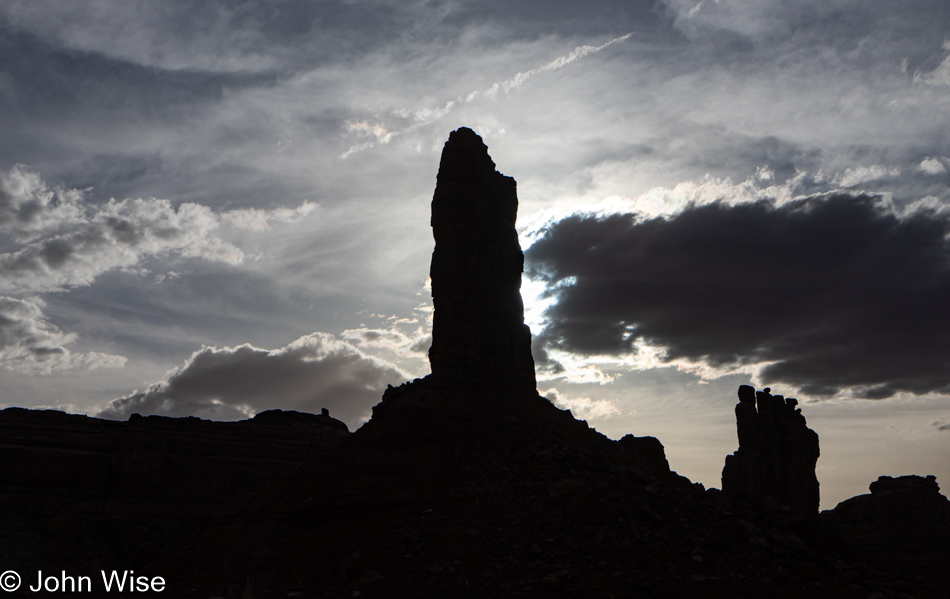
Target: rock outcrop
(648, 450)
(905, 521)
(157, 456)
(777, 453)
(479, 332)
(135, 487)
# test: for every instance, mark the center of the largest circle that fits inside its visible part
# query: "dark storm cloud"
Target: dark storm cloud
(316, 371)
(833, 292)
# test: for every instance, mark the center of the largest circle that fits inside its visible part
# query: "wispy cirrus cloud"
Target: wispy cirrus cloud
(940, 75)
(863, 174)
(420, 117)
(31, 344)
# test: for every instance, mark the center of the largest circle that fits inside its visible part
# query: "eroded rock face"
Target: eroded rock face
(478, 333)
(777, 452)
(904, 520)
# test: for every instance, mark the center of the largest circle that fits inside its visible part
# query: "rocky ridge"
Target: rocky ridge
(75, 487)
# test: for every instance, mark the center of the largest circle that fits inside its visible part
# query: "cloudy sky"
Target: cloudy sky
(218, 208)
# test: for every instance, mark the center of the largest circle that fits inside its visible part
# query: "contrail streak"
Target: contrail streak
(559, 62)
(427, 115)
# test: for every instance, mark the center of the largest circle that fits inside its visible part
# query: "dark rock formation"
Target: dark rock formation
(157, 456)
(479, 332)
(137, 485)
(469, 492)
(904, 521)
(777, 452)
(647, 449)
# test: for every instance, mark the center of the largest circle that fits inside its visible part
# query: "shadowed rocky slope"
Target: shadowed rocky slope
(464, 484)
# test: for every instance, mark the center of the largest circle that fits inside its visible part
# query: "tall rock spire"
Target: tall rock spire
(777, 452)
(479, 332)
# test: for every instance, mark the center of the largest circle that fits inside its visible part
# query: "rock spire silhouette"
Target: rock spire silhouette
(777, 452)
(478, 333)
